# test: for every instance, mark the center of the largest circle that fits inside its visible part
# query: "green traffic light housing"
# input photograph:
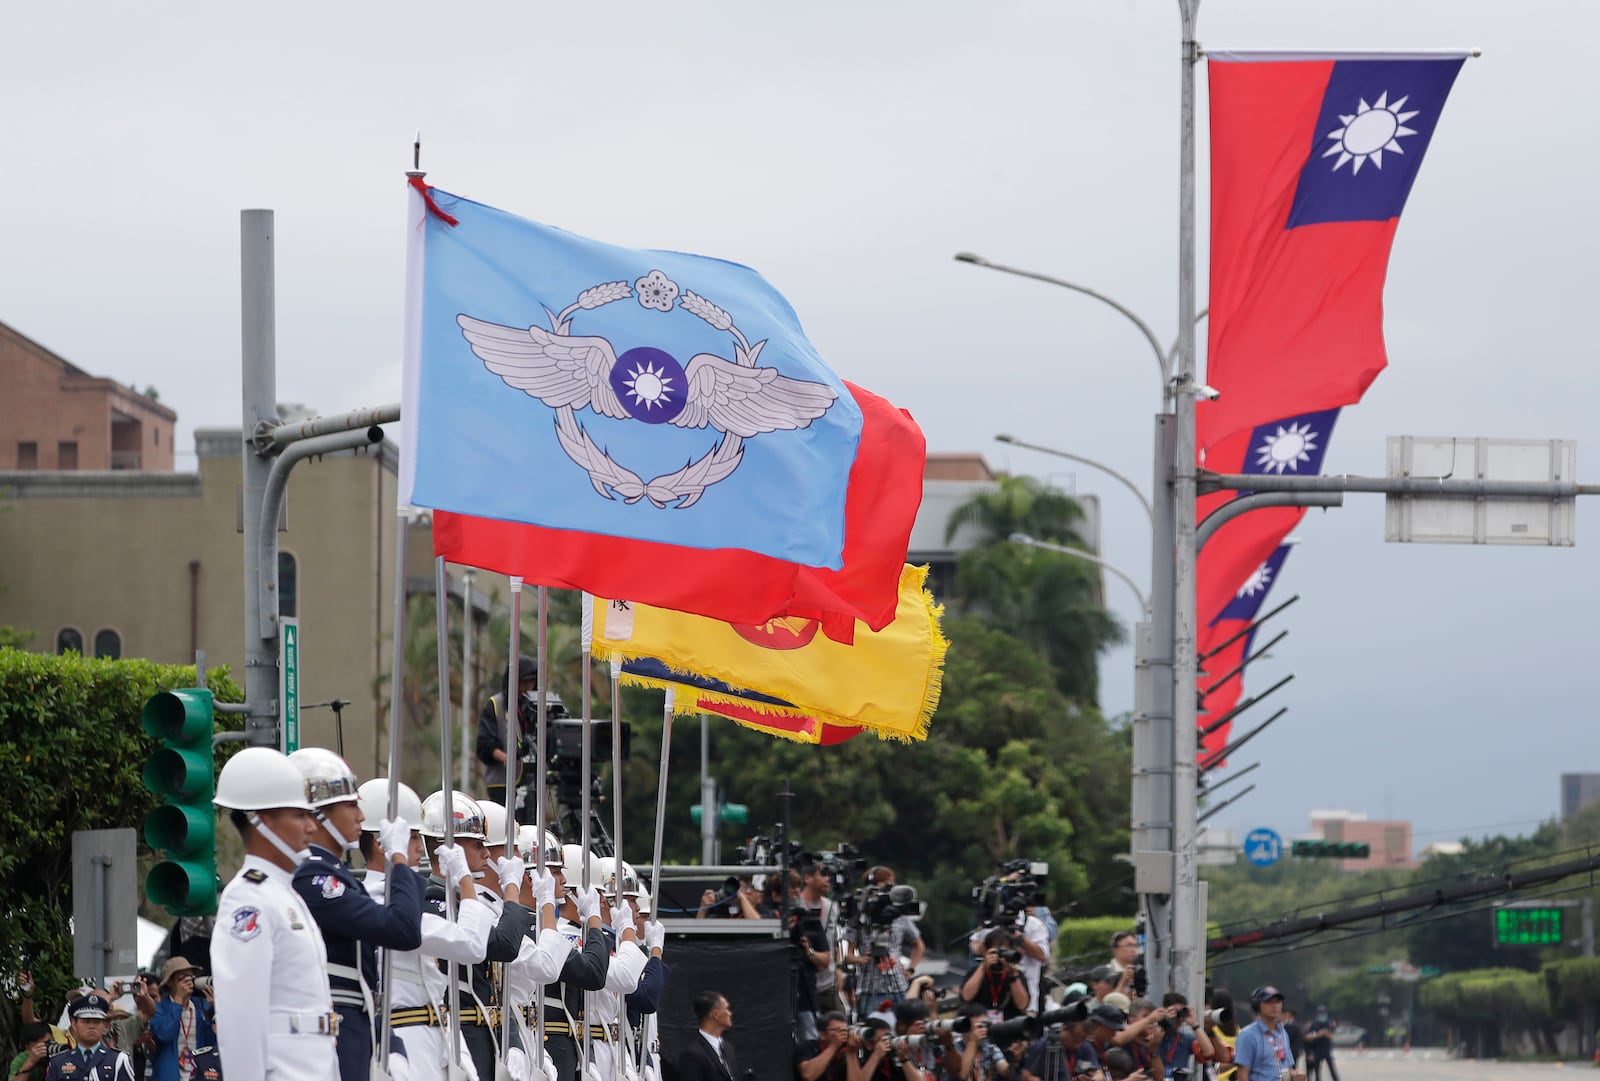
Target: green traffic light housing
(728, 814)
(1339, 850)
(181, 773)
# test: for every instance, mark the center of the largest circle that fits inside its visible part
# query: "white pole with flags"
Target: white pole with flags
(513, 776)
(661, 806)
(402, 529)
(441, 622)
(537, 795)
(586, 647)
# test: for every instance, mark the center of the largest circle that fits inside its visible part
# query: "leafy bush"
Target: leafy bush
(71, 759)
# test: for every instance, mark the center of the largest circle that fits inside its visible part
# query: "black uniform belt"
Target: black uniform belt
(472, 1015)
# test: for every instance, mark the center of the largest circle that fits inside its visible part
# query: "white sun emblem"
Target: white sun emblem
(1287, 449)
(649, 386)
(1259, 580)
(1369, 131)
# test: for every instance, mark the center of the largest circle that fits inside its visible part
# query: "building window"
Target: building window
(67, 455)
(157, 433)
(28, 455)
(107, 645)
(69, 640)
(288, 584)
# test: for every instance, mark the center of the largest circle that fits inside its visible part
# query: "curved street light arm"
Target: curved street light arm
(1032, 542)
(1144, 328)
(1106, 469)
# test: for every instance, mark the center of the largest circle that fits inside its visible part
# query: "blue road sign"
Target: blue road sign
(1263, 847)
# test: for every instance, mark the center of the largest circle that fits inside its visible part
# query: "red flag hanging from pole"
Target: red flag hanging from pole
(1312, 158)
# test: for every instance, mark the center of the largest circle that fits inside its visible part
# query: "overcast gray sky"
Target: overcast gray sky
(847, 150)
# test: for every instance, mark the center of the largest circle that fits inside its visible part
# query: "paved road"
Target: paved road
(1432, 1065)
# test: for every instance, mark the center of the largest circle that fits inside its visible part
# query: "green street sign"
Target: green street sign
(1531, 926)
(289, 665)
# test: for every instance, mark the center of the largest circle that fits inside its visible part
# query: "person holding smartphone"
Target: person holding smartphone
(182, 1024)
(29, 1063)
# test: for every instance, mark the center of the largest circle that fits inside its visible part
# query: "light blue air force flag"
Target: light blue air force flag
(650, 395)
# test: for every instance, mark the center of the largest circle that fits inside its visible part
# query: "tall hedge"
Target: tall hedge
(71, 754)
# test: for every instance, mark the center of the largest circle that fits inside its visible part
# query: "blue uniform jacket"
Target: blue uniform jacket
(105, 1063)
(349, 918)
(164, 1027)
(646, 998)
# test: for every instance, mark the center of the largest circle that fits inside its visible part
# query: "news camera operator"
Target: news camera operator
(879, 1060)
(883, 943)
(491, 743)
(1008, 900)
(1063, 1051)
(996, 982)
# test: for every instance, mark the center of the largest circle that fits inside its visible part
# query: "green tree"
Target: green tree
(1047, 599)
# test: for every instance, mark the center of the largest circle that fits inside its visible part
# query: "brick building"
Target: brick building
(56, 416)
(1390, 841)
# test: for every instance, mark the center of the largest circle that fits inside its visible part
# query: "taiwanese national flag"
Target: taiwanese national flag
(1312, 158)
(1292, 446)
(1222, 686)
(730, 584)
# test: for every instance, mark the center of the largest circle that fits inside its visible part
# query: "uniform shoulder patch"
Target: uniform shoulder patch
(331, 886)
(246, 924)
(255, 876)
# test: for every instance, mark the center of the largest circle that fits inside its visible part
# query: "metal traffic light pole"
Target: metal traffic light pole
(271, 449)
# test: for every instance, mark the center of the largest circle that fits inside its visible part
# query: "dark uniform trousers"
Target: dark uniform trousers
(505, 942)
(353, 926)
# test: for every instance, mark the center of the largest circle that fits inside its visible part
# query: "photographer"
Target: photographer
(1008, 900)
(1125, 963)
(182, 1024)
(880, 1060)
(995, 983)
(1065, 1054)
(1183, 1039)
(491, 743)
(827, 1058)
(980, 1060)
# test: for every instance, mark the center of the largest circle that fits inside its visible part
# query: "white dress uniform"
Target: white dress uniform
(606, 1010)
(275, 1016)
(538, 963)
(419, 982)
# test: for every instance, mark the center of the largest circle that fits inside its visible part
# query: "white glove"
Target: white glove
(511, 869)
(544, 889)
(399, 1068)
(550, 1069)
(518, 1066)
(591, 1071)
(451, 862)
(623, 915)
(394, 837)
(655, 935)
(588, 904)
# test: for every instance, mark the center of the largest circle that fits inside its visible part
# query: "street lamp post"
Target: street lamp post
(1151, 787)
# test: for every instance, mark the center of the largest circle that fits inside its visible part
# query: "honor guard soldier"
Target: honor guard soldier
(275, 1017)
(417, 982)
(540, 956)
(642, 1002)
(624, 976)
(588, 961)
(353, 924)
(475, 996)
(92, 1059)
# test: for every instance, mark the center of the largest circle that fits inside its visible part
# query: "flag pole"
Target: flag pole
(513, 775)
(619, 1064)
(468, 632)
(661, 807)
(537, 795)
(586, 645)
(402, 530)
(1188, 959)
(441, 605)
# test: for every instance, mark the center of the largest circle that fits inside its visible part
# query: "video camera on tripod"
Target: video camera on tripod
(1003, 900)
(564, 765)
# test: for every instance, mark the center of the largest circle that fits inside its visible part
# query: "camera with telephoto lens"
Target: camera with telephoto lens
(1003, 900)
(1007, 955)
(875, 908)
(765, 851)
(1018, 1028)
(1071, 1014)
(958, 1025)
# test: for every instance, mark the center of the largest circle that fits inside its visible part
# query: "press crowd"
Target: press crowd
(295, 989)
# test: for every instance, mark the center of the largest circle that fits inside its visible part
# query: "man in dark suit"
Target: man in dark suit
(709, 1057)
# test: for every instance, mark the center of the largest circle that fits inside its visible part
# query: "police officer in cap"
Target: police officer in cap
(353, 924)
(274, 1013)
(92, 1059)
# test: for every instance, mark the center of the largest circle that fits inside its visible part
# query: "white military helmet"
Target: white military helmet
(374, 799)
(494, 821)
(261, 779)
(525, 841)
(468, 816)
(572, 860)
(605, 872)
(631, 887)
(642, 901)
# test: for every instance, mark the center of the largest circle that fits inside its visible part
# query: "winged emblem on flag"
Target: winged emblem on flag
(569, 372)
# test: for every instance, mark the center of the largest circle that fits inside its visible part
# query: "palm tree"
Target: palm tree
(1047, 599)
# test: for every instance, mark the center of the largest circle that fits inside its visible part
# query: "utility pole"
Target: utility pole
(260, 382)
(1188, 957)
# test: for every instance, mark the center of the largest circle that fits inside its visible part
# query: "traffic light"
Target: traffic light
(182, 774)
(1336, 850)
(728, 814)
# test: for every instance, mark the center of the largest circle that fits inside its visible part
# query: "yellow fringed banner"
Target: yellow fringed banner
(888, 681)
